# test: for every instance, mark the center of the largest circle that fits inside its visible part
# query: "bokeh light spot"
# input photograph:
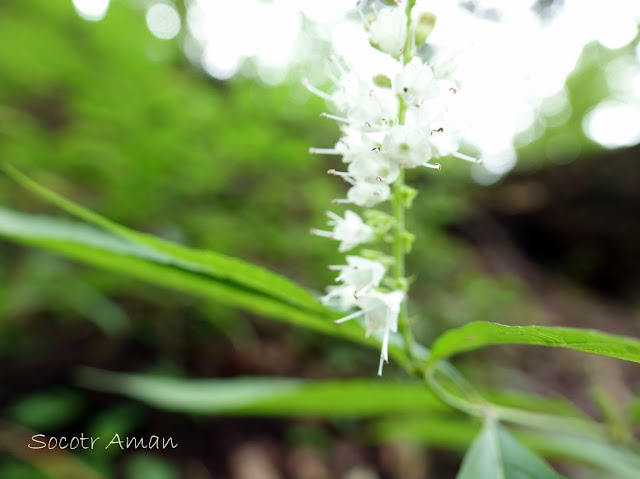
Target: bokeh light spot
(91, 10)
(613, 124)
(163, 21)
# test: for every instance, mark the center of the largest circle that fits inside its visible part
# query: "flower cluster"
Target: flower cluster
(395, 121)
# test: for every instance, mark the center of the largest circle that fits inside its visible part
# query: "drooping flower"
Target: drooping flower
(380, 311)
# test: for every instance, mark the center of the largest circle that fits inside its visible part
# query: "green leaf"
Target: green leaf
(253, 396)
(46, 411)
(616, 460)
(457, 433)
(480, 334)
(223, 267)
(108, 251)
(496, 454)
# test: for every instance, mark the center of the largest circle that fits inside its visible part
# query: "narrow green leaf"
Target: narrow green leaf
(480, 334)
(253, 396)
(214, 264)
(496, 454)
(108, 251)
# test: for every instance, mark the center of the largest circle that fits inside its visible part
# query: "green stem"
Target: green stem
(407, 52)
(399, 251)
(469, 401)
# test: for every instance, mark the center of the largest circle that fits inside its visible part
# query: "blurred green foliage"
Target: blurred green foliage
(119, 121)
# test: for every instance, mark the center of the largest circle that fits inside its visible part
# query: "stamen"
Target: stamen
(350, 316)
(345, 176)
(337, 61)
(379, 178)
(316, 91)
(384, 353)
(334, 217)
(464, 157)
(326, 234)
(324, 151)
(334, 117)
(332, 77)
(377, 126)
(435, 166)
(363, 290)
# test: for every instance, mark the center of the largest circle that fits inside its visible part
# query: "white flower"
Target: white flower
(363, 274)
(353, 145)
(444, 137)
(376, 167)
(362, 102)
(340, 297)
(408, 147)
(416, 83)
(350, 230)
(380, 312)
(389, 30)
(367, 193)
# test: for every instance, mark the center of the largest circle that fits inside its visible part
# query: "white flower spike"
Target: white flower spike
(399, 119)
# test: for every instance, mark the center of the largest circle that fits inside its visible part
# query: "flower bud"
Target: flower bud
(381, 223)
(407, 240)
(425, 24)
(407, 195)
(381, 80)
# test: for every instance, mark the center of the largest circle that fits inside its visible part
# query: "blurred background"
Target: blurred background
(188, 120)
